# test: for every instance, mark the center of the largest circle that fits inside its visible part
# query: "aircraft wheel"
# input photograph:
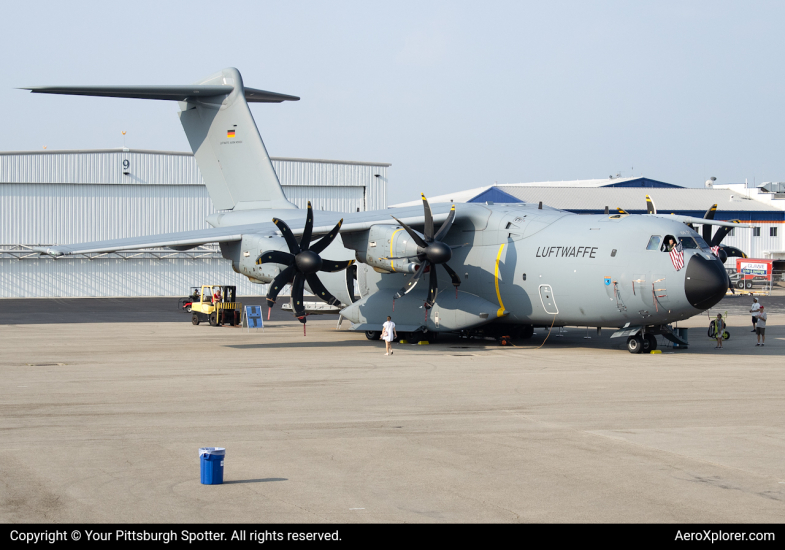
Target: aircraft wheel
(635, 344)
(649, 342)
(195, 319)
(373, 334)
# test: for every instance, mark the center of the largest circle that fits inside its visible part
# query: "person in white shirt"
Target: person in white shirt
(760, 328)
(389, 334)
(754, 310)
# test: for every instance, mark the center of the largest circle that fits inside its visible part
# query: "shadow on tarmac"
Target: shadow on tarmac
(265, 480)
(46, 311)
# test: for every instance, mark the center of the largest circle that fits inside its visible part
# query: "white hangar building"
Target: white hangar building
(61, 197)
(762, 206)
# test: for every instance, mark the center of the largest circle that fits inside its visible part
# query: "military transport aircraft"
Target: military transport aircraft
(507, 268)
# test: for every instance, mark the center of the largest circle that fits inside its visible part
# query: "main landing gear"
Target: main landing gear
(641, 344)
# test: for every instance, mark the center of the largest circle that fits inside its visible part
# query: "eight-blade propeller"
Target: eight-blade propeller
(303, 262)
(431, 251)
(721, 233)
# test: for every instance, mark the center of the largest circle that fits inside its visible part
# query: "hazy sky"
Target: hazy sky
(454, 94)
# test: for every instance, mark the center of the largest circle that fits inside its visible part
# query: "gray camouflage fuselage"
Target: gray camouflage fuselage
(522, 265)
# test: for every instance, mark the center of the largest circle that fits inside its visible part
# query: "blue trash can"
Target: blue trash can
(212, 462)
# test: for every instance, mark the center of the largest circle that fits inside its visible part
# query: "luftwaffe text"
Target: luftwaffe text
(566, 251)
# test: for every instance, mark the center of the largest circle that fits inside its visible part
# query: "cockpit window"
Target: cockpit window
(654, 242)
(668, 243)
(688, 243)
(701, 243)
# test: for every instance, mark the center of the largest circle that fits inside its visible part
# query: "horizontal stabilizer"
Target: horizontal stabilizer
(172, 93)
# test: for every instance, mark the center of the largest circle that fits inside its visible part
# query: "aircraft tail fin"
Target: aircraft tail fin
(222, 133)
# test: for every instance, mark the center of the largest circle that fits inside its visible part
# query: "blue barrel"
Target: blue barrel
(212, 461)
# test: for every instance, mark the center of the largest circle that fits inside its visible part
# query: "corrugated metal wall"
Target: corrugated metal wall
(756, 247)
(58, 197)
(104, 277)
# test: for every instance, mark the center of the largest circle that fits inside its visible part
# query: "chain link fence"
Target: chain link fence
(773, 285)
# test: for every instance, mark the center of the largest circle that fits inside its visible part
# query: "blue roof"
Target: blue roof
(494, 194)
(642, 182)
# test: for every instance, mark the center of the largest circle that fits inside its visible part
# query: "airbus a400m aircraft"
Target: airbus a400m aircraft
(495, 269)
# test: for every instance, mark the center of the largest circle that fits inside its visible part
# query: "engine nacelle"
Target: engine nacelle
(384, 241)
(251, 246)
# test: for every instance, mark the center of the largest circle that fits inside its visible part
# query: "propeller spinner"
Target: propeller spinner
(303, 262)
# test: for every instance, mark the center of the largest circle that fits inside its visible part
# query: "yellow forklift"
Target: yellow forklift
(217, 305)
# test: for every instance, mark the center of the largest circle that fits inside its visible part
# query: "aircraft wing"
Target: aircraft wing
(702, 221)
(185, 239)
(189, 239)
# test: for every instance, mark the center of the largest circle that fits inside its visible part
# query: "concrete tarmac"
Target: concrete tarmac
(102, 422)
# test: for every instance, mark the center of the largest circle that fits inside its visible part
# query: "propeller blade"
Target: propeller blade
(412, 282)
(433, 288)
(650, 208)
(275, 257)
(446, 225)
(320, 291)
(291, 242)
(305, 240)
(325, 241)
(298, 304)
(283, 279)
(721, 233)
(706, 227)
(421, 243)
(428, 229)
(331, 266)
(453, 275)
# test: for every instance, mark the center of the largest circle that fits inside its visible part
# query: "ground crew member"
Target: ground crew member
(719, 329)
(760, 328)
(754, 310)
(389, 334)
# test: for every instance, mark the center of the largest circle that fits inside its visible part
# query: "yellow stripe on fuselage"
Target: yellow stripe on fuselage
(392, 240)
(500, 312)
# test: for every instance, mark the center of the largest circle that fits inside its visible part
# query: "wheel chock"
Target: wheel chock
(403, 341)
(656, 351)
(423, 343)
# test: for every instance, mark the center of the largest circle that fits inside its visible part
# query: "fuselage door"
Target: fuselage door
(548, 301)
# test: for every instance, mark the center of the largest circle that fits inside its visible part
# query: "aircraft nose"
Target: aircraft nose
(706, 282)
